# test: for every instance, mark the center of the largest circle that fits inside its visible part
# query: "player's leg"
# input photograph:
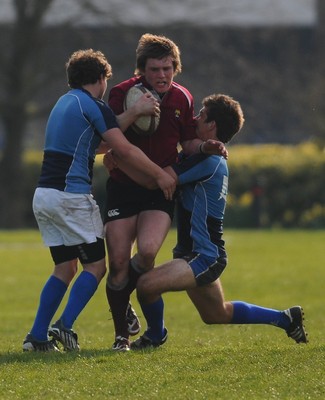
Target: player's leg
(120, 217)
(152, 229)
(173, 276)
(210, 303)
(153, 225)
(46, 202)
(50, 298)
(290, 320)
(92, 257)
(120, 236)
(82, 232)
(213, 309)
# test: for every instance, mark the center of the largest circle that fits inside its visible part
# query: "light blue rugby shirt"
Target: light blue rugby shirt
(203, 193)
(73, 133)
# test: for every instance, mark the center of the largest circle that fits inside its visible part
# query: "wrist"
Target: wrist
(201, 150)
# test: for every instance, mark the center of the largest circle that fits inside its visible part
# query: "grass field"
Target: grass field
(276, 269)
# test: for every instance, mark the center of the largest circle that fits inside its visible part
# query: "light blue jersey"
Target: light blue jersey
(203, 194)
(73, 134)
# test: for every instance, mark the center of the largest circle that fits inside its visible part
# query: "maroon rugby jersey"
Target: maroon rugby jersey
(176, 124)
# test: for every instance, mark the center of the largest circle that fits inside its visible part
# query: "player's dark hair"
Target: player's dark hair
(227, 114)
(86, 67)
(156, 46)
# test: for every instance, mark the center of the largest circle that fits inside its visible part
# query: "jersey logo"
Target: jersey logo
(113, 213)
(177, 113)
(224, 189)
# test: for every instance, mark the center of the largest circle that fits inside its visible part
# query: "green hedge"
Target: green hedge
(270, 186)
(276, 186)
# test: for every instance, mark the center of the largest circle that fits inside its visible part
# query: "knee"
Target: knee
(209, 320)
(117, 276)
(221, 315)
(143, 288)
(146, 258)
(118, 263)
(100, 271)
(141, 284)
(66, 271)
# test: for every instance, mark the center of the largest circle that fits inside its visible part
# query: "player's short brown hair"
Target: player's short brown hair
(226, 112)
(86, 67)
(156, 46)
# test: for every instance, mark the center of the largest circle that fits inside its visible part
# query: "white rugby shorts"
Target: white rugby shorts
(67, 218)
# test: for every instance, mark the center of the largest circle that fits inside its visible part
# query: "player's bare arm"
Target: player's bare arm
(112, 160)
(109, 161)
(138, 161)
(103, 148)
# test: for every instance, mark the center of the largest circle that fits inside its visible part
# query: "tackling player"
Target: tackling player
(200, 251)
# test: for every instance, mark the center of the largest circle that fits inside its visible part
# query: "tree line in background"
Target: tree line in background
(276, 74)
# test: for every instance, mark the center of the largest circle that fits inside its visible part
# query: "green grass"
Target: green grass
(272, 268)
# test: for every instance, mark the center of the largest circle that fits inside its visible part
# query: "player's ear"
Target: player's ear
(212, 125)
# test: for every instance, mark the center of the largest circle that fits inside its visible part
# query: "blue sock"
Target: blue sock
(50, 299)
(81, 292)
(154, 314)
(245, 313)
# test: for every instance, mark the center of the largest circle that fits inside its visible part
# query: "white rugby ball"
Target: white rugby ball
(146, 124)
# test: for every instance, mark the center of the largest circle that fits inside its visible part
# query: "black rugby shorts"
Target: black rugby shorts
(126, 200)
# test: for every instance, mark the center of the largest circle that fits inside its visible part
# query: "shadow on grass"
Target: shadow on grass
(64, 357)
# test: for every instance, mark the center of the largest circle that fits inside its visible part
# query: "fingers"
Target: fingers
(168, 194)
(157, 110)
(148, 105)
(215, 147)
(109, 161)
(169, 187)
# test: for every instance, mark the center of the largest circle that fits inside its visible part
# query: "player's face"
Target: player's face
(204, 130)
(159, 73)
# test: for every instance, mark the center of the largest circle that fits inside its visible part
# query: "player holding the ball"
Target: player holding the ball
(132, 211)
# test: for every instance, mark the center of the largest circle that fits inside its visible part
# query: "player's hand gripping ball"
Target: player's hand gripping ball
(145, 125)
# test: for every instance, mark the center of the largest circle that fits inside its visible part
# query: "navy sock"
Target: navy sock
(50, 299)
(134, 275)
(118, 301)
(154, 314)
(245, 313)
(81, 292)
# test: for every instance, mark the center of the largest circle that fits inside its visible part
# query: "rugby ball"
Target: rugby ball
(145, 125)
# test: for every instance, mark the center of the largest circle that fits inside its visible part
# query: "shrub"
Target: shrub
(270, 186)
